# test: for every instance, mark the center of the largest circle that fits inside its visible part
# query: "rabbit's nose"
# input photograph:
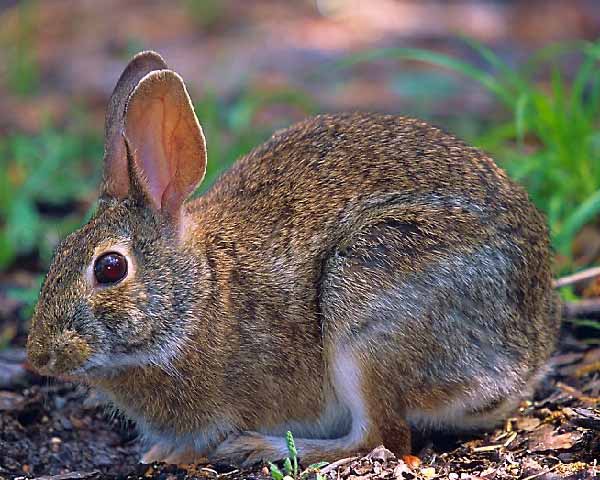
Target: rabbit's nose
(38, 359)
(60, 355)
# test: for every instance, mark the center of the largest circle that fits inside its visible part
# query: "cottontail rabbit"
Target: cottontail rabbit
(355, 275)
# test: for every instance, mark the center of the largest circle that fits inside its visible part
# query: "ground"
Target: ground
(55, 429)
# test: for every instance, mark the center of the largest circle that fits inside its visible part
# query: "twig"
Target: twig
(510, 439)
(543, 472)
(590, 368)
(334, 465)
(487, 448)
(211, 471)
(577, 277)
(577, 394)
(581, 308)
(227, 474)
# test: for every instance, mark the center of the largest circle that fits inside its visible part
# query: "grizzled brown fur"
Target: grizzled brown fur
(354, 274)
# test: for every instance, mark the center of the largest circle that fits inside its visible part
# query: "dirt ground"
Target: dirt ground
(54, 430)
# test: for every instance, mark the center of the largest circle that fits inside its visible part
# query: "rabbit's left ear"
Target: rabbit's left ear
(165, 141)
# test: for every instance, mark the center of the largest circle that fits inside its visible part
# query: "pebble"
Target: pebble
(10, 401)
(428, 472)
(55, 444)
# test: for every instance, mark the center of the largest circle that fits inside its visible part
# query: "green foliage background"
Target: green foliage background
(547, 138)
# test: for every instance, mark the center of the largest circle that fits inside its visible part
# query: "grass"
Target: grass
(45, 189)
(22, 69)
(550, 139)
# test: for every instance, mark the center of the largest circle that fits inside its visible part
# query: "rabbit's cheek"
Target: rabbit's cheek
(117, 307)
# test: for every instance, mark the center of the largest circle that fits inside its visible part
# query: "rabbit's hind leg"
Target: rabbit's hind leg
(405, 305)
(363, 432)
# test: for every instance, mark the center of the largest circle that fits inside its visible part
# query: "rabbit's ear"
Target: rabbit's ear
(165, 140)
(116, 183)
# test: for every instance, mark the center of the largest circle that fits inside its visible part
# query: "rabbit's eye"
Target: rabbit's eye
(110, 268)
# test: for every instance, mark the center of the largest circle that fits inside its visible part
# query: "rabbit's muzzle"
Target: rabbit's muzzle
(57, 355)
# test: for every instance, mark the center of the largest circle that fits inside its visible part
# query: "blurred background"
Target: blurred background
(520, 79)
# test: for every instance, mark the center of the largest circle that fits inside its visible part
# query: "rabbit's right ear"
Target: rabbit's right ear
(115, 183)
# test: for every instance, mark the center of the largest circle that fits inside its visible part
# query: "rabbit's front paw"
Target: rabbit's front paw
(246, 449)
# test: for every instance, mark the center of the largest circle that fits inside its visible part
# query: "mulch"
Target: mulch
(55, 430)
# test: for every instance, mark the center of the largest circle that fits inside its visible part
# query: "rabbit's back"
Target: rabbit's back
(375, 201)
(310, 187)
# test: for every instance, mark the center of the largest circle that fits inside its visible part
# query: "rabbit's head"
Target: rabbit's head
(117, 293)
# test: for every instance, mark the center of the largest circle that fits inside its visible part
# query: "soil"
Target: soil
(55, 430)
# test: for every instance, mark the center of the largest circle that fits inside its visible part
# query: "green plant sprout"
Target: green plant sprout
(290, 464)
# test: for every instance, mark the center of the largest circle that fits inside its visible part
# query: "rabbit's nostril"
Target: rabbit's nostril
(41, 360)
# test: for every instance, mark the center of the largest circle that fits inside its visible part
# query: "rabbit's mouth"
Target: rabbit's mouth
(104, 365)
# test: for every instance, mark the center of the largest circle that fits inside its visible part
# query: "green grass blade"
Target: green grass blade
(510, 75)
(291, 446)
(434, 58)
(287, 466)
(276, 474)
(586, 323)
(550, 54)
(582, 78)
(520, 117)
(577, 219)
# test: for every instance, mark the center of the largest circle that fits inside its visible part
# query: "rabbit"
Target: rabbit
(355, 277)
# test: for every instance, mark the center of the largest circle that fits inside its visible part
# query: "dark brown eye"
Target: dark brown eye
(110, 268)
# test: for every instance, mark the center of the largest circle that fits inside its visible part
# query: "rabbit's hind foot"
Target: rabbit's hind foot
(162, 454)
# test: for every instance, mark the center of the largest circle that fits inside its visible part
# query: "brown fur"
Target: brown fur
(375, 239)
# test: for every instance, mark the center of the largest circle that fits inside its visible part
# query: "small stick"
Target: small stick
(227, 474)
(210, 470)
(581, 308)
(332, 466)
(513, 435)
(577, 277)
(487, 448)
(543, 472)
(590, 368)
(568, 389)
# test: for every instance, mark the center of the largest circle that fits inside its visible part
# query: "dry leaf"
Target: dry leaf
(412, 461)
(545, 438)
(381, 453)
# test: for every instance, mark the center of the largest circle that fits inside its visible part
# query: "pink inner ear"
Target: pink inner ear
(168, 144)
(148, 130)
(153, 151)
